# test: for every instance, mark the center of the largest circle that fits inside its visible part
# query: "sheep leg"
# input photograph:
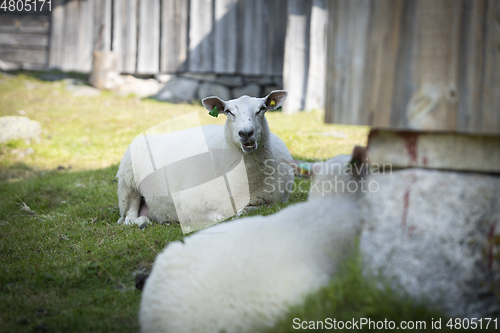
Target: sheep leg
(137, 213)
(129, 198)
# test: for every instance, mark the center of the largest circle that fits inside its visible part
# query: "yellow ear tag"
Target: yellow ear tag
(273, 103)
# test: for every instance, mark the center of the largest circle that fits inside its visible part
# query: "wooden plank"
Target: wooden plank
(70, 44)
(201, 52)
(57, 34)
(276, 36)
(255, 35)
(85, 36)
(383, 49)
(118, 32)
(24, 39)
(445, 151)
(315, 93)
(101, 38)
(435, 67)
(23, 30)
(24, 55)
(24, 24)
(490, 104)
(174, 35)
(471, 47)
(296, 60)
(125, 34)
(226, 36)
(418, 65)
(148, 53)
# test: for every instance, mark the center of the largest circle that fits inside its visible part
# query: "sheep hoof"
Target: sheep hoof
(132, 220)
(121, 220)
(143, 222)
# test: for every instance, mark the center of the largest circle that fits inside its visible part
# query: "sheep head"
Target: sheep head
(246, 122)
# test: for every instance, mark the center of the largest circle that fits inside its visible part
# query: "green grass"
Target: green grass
(351, 297)
(67, 266)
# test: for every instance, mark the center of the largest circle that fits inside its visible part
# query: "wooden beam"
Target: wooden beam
(174, 35)
(445, 151)
(148, 58)
(296, 61)
(201, 51)
(276, 35)
(315, 93)
(255, 35)
(226, 36)
(56, 34)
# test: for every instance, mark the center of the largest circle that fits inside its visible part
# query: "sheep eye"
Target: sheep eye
(229, 112)
(261, 109)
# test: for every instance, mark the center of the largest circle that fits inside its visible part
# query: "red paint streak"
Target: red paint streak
(410, 140)
(411, 229)
(406, 204)
(406, 201)
(425, 160)
(491, 236)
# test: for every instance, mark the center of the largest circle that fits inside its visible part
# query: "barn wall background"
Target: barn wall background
(247, 42)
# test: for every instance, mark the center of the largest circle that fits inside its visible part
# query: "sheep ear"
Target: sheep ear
(213, 101)
(275, 99)
(359, 160)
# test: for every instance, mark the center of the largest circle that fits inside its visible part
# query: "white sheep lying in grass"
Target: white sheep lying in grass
(242, 275)
(246, 135)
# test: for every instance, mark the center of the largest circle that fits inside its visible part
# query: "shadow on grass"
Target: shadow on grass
(65, 264)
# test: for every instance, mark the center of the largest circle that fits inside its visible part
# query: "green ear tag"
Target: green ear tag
(214, 112)
(304, 167)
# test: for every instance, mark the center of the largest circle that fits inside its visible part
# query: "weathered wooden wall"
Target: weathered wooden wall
(228, 37)
(305, 52)
(170, 36)
(24, 39)
(419, 65)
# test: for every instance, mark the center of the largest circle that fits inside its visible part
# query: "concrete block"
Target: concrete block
(436, 236)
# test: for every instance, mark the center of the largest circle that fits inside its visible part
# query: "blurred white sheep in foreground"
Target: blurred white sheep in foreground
(241, 276)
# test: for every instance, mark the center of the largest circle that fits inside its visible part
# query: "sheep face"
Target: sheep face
(246, 125)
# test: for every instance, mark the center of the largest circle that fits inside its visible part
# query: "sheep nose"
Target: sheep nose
(245, 134)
